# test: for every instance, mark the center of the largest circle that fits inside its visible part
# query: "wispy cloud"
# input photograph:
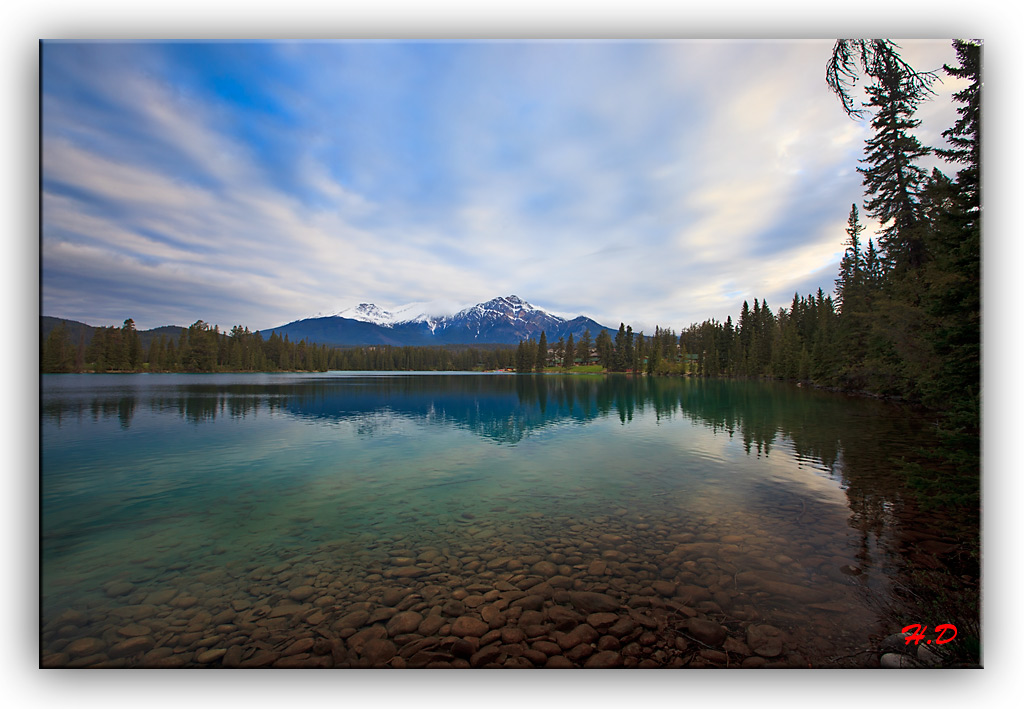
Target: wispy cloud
(651, 183)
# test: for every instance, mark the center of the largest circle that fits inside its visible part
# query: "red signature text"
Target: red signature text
(919, 630)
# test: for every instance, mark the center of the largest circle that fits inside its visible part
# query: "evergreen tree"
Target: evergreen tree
(765, 338)
(965, 135)
(684, 355)
(95, 353)
(80, 353)
(285, 361)
(115, 354)
(746, 332)
(892, 180)
(789, 342)
(726, 348)
(852, 297)
(851, 266)
(523, 365)
(585, 345)
(629, 356)
(952, 280)
(237, 356)
(542, 352)
(605, 350)
(823, 350)
(620, 362)
(872, 268)
(132, 345)
(183, 349)
(200, 351)
(172, 361)
(570, 353)
(57, 353)
(654, 356)
(873, 57)
(155, 356)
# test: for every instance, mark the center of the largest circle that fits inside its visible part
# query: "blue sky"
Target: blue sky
(646, 182)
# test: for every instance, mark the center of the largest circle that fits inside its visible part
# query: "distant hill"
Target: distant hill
(79, 330)
(76, 330)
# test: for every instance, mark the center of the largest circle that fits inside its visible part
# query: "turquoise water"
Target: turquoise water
(220, 519)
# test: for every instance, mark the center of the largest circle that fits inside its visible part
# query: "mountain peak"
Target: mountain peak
(367, 312)
(510, 307)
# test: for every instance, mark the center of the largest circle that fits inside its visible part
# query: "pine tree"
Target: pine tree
(765, 338)
(952, 296)
(155, 356)
(851, 266)
(619, 361)
(629, 356)
(522, 365)
(542, 352)
(654, 355)
(114, 353)
(172, 361)
(684, 356)
(872, 268)
(132, 345)
(873, 57)
(199, 351)
(725, 352)
(746, 332)
(892, 180)
(852, 297)
(585, 345)
(965, 135)
(570, 354)
(80, 353)
(605, 350)
(57, 354)
(95, 353)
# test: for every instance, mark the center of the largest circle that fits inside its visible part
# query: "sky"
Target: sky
(255, 183)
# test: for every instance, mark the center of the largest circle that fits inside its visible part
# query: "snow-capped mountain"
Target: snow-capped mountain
(504, 320)
(511, 315)
(368, 312)
(420, 311)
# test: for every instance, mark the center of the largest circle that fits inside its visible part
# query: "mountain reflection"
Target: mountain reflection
(821, 427)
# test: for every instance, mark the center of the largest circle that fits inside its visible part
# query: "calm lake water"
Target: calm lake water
(421, 520)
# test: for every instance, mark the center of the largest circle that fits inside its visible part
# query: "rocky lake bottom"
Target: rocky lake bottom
(614, 590)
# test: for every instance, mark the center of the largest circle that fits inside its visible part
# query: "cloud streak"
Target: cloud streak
(652, 183)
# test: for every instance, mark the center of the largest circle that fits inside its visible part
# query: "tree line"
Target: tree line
(204, 348)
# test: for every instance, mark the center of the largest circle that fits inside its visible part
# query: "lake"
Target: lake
(440, 520)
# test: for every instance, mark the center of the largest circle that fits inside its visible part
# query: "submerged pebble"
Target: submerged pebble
(605, 590)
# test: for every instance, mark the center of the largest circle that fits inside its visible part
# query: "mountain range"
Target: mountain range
(503, 320)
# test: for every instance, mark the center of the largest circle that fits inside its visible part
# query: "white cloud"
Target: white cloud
(649, 183)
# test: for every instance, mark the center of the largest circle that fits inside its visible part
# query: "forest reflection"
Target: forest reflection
(836, 432)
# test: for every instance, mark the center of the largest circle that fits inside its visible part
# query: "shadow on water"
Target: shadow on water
(856, 443)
